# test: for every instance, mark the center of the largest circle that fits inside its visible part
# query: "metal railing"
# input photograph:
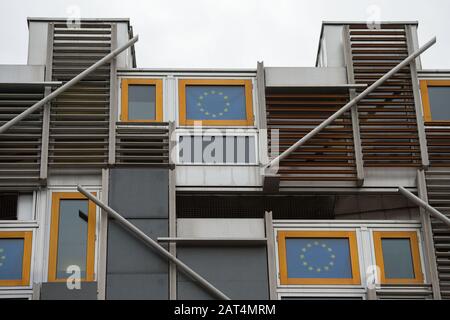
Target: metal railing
(348, 106)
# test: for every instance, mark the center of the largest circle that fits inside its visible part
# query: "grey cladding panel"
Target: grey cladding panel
(59, 291)
(139, 192)
(239, 272)
(138, 286)
(134, 270)
(127, 254)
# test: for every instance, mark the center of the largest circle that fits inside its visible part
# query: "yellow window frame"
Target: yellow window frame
(413, 240)
(54, 231)
(26, 259)
(249, 121)
(158, 83)
(424, 85)
(353, 247)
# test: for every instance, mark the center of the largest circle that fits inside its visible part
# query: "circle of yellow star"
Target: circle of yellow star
(317, 268)
(203, 108)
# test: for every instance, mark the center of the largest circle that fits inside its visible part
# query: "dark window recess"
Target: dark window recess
(254, 206)
(8, 206)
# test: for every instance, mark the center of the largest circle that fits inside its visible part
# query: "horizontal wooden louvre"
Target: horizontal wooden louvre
(387, 116)
(79, 119)
(20, 145)
(438, 142)
(142, 144)
(329, 156)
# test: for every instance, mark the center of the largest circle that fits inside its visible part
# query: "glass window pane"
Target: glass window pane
(215, 103)
(318, 258)
(439, 102)
(72, 236)
(398, 263)
(11, 256)
(141, 102)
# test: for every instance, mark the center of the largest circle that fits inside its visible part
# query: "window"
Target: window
(213, 149)
(318, 257)
(16, 206)
(397, 255)
(15, 258)
(216, 102)
(72, 236)
(436, 100)
(141, 100)
(8, 206)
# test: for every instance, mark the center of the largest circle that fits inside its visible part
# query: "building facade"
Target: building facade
(186, 158)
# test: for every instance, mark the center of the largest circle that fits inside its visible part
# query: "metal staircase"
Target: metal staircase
(438, 190)
(79, 118)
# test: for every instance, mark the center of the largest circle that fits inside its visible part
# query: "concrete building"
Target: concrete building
(152, 183)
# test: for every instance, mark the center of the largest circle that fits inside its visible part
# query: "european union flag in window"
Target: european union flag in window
(318, 258)
(11, 256)
(215, 102)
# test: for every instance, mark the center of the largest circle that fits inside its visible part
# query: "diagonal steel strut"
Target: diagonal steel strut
(434, 212)
(156, 246)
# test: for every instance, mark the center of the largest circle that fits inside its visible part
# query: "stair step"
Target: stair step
(442, 238)
(437, 172)
(442, 209)
(438, 187)
(439, 201)
(437, 178)
(432, 194)
(443, 261)
(442, 254)
(444, 268)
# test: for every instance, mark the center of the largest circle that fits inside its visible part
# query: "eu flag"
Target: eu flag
(318, 258)
(11, 255)
(215, 103)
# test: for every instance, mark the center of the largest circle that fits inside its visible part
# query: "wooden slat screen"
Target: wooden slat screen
(20, 145)
(438, 143)
(329, 156)
(387, 116)
(141, 144)
(79, 119)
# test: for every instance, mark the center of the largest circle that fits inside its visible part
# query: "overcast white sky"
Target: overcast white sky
(228, 33)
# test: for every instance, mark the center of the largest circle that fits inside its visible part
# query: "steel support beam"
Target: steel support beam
(354, 111)
(262, 114)
(417, 105)
(172, 214)
(353, 102)
(113, 104)
(103, 239)
(271, 267)
(68, 85)
(415, 199)
(261, 92)
(154, 245)
(431, 266)
(45, 138)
